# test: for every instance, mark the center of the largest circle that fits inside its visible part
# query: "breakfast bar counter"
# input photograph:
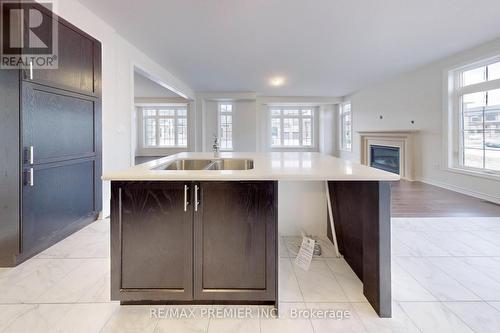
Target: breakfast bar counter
(301, 166)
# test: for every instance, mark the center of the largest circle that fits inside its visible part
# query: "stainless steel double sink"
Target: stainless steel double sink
(212, 164)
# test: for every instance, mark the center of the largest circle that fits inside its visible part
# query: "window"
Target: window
(346, 126)
(165, 126)
(292, 126)
(477, 104)
(226, 126)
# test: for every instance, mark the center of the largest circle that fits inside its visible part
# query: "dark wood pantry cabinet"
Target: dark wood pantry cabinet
(208, 241)
(50, 147)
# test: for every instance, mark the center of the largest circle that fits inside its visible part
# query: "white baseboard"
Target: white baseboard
(462, 190)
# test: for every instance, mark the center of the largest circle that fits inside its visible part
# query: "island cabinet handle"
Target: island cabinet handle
(186, 203)
(196, 201)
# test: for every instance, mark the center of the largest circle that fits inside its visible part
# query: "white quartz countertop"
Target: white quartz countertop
(301, 166)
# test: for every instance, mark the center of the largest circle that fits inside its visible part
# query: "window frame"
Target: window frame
(157, 107)
(300, 118)
(220, 113)
(342, 116)
(453, 127)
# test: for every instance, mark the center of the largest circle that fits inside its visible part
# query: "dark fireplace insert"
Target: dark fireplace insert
(385, 158)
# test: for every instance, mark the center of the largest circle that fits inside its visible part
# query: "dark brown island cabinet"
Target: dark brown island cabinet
(194, 242)
(50, 146)
(202, 242)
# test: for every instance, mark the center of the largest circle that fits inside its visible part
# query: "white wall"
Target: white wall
(119, 59)
(302, 207)
(418, 96)
(327, 129)
(209, 123)
(245, 126)
(145, 88)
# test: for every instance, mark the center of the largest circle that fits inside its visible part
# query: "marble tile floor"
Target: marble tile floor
(446, 278)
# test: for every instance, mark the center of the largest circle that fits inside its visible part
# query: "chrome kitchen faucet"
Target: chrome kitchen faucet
(215, 147)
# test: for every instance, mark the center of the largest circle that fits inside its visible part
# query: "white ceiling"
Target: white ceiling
(321, 47)
(144, 87)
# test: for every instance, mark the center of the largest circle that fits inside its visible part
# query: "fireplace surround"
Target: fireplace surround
(403, 141)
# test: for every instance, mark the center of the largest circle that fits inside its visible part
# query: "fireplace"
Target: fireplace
(398, 142)
(385, 158)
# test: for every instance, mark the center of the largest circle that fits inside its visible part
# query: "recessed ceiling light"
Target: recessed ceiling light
(277, 81)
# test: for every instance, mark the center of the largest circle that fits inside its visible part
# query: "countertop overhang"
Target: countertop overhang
(290, 166)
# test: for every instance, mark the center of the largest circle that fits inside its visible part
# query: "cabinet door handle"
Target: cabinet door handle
(29, 177)
(31, 70)
(196, 201)
(31, 155)
(186, 203)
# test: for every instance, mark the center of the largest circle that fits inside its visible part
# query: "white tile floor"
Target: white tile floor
(446, 278)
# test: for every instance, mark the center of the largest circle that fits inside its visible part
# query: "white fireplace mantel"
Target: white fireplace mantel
(402, 139)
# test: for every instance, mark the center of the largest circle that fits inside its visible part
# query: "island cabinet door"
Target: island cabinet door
(155, 224)
(235, 241)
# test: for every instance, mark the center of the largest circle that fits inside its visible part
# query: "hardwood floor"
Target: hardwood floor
(416, 199)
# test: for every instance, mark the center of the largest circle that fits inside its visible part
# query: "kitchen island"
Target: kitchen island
(194, 228)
